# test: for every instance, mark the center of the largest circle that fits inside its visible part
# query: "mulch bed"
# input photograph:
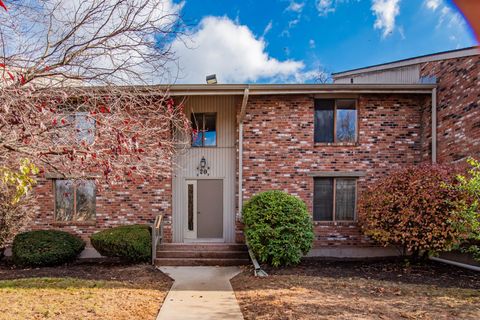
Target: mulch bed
(385, 289)
(428, 272)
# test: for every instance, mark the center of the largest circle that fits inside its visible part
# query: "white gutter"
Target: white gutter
(240, 151)
(434, 125)
(240, 170)
(278, 92)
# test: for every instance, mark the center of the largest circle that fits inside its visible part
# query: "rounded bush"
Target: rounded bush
(45, 248)
(131, 243)
(278, 227)
(415, 209)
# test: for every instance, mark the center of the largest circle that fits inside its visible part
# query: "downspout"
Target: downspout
(434, 125)
(240, 169)
(240, 151)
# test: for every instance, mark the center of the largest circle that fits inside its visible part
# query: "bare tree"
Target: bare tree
(75, 99)
(323, 76)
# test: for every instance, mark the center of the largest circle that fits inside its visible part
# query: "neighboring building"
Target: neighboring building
(457, 75)
(322, 143)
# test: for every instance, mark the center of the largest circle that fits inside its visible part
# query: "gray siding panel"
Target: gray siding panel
(405, 75)
(220, 159)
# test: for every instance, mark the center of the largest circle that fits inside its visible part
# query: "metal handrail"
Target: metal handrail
(157, 235)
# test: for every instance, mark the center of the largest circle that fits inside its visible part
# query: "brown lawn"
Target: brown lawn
(82, 291)
(355, 290)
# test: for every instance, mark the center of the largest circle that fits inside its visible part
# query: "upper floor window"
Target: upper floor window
(335, 120)
(75, 127)
(334, 199)
(204, 129)
(74, 200)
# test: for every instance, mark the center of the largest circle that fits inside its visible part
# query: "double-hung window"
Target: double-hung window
(335, 120)
(74, 200)
(204, 129)
(76, 127)
(334, 199)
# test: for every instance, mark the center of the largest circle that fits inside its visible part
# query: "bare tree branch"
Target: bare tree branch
(63, 103)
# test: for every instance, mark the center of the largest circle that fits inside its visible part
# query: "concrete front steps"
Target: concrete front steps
(201, 254)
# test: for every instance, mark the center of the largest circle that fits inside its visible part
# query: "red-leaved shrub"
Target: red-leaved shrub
(414, 208)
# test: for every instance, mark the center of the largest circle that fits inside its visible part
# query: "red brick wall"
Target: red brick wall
(129, 203)
(458, 109)
(279, 151)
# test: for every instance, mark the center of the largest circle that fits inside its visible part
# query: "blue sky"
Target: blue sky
(290, 41)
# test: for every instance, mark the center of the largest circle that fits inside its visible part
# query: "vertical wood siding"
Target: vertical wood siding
(220, 159)
(408, 74)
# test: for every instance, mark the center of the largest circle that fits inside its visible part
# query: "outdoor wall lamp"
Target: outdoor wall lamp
(203, 168)
(211, 79)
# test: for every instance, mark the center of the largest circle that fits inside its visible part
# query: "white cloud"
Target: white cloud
(267, 29)
(324, 7)
(295, 6)
(386, 12)
(230, 50)
(293, 23)
(432, 4)
(448, 16)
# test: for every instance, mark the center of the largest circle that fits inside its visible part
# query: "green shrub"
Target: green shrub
(131, 243)
(45, 248)
(470, 209)
(278, 227)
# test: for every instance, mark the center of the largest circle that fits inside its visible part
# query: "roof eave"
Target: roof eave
(192, 90)
(451, 54)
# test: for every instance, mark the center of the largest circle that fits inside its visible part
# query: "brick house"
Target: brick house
(323, 143)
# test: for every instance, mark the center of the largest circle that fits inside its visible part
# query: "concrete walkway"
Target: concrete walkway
(200, 293)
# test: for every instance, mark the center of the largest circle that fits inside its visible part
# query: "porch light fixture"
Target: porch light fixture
(212, 79)
(202, 168)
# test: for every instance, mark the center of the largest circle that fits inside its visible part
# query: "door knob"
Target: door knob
(198, 212)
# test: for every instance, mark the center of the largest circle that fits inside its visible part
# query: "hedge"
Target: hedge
(131, 242)
(45, 248)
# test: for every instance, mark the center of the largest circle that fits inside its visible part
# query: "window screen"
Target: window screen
(334, 199)
(345, 199)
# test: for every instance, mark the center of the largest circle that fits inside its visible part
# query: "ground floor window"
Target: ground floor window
(74, 200)
(334, 199)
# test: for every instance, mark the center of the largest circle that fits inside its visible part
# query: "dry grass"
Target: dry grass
(74, 298)
(310, 295)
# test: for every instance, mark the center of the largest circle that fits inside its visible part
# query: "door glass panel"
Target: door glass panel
(190, 207)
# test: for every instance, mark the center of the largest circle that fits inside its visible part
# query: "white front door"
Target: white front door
(204, 214)
(191, 221)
